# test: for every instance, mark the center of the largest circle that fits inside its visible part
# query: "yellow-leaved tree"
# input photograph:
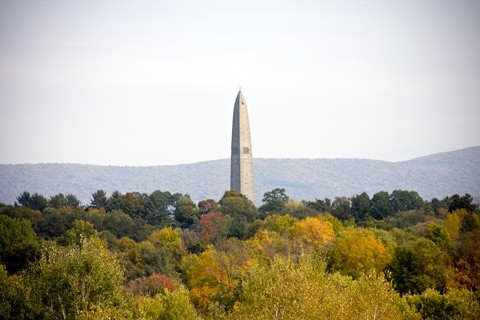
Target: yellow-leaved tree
(357, 250)
(213, 275)
(290, 290)
(311, 233)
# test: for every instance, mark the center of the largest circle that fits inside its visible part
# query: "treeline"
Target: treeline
(162, 256)
(167, 209)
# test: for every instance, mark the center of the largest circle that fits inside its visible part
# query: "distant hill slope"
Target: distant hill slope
(437, 175)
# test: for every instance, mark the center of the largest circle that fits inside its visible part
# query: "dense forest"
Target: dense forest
(162, 256)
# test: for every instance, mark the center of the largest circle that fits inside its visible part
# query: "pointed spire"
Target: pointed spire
(241, 176)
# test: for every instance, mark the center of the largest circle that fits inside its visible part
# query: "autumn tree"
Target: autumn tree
(168, 305)
(287, 290)
(214, 226)
(213, 275)
(170, 247)
(311, 233)
(357, 250)
(267, 245)
(466, 273)
(280, 224)
(156, 283)
(16, 297)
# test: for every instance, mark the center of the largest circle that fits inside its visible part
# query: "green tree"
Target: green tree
(25, 199)
(80, 232)
(241, 209)
(53, 225)
(16, 298)
(20, 213)
(208, 205)
(72, 279)
(99, 199)
(57, 201)
(465, 202)
(168, 243)
(121, 224)
(18, 244)
(186, 212)
(72, 200)
(279, 224)
(417, 266)
(361, 206)
(274, 201)
(455, 304)
(438, 205)
(403, 200)
(168, 306)
(159, 208)
(299, 210)
(439, 236)
(275, 194)
(320, 205)
(341, 208)
(131, 203)
(381, 207)
(35, 201)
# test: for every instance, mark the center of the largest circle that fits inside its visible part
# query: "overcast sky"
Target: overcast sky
(154, 82)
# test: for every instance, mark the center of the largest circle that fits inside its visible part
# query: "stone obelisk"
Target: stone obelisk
(241, 174)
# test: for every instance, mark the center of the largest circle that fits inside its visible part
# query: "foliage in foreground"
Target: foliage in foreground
(160, 256)
(289, 290)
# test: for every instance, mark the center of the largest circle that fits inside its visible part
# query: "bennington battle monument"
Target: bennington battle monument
(241, 174)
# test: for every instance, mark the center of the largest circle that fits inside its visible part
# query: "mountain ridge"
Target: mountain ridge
(435, 175)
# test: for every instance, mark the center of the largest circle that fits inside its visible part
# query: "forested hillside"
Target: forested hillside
(162, 256)
(438, 175)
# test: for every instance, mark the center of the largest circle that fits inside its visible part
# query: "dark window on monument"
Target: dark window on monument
(235, 150)
(246, 150)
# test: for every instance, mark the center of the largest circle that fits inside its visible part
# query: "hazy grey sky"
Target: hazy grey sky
(154, 82)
